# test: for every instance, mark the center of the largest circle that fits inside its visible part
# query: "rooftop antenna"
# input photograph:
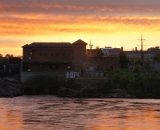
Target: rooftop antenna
(91, 46)
(142, 55)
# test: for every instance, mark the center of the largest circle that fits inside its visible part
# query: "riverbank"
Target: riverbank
(120, 84)
(10, 87)
(115, 84)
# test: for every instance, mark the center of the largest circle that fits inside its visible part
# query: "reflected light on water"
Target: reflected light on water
(10, 117)
(50, 112)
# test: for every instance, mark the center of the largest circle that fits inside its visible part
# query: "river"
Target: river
(52, 113)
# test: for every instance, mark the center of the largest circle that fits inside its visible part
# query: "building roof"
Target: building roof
(55, 44)
(92, 52)
(135, 52)
(48, 44)
(79, 42)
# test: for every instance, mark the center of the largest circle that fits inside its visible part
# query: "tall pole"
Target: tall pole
(90, 45)
(142, 55)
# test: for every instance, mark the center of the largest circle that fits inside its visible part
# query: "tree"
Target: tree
(99, 53)
(20, 57)
(1, 55)
(2, 61)
(147, 65)
(9, 55)
(157, 57)
(123, 59)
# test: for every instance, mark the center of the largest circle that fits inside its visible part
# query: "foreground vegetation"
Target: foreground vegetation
(144, 84)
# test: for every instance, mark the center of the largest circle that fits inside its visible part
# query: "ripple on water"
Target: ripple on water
(50, 112)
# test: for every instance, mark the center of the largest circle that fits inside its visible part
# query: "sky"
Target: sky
(113, 23)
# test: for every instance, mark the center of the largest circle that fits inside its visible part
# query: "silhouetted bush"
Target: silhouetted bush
(142, 84)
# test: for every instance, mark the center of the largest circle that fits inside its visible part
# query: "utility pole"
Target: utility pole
(142, 54)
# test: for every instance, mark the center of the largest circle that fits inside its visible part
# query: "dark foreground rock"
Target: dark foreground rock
(10, 87)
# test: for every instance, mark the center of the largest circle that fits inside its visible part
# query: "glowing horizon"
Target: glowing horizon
(105, 22)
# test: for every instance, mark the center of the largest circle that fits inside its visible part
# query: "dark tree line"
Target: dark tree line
(123, 60)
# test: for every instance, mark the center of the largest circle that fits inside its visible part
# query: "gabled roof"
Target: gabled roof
(54, 44)
(79, 42)
(48, 44)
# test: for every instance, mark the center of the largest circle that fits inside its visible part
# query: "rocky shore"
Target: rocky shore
(79, 87)
(92, 88)
(10, 87)
(116, 93)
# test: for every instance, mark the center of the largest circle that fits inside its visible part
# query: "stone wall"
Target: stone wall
(27, 75)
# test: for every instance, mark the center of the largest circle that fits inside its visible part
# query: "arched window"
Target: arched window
(29, 67)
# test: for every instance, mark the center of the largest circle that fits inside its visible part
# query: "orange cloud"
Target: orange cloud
(49, 25)
(23, 23)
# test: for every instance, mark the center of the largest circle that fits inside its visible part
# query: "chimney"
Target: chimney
(121, 48)
(136, 49)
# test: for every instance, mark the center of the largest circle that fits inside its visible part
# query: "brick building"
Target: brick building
(102, 62)
(62, 56)
(53, 56)
(154, 50)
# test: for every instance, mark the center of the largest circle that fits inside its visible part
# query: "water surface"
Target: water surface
(50, 112)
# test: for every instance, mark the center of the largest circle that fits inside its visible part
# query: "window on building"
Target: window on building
(51, 66)
(29, 66)
(57, 66)
(40, 66)
(111, 67)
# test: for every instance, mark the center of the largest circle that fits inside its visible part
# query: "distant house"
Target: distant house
(104, 62)
(14, 64)
(109, 51)
(154, 50)
(137, 54)
(10, 65)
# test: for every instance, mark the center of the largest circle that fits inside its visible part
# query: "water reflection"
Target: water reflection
(10, 116)
(50, 112)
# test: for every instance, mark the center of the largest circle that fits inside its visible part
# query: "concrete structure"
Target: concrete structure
(109, 51)
(30, 75)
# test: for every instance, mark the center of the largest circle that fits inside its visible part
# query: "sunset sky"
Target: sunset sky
(112, 23)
